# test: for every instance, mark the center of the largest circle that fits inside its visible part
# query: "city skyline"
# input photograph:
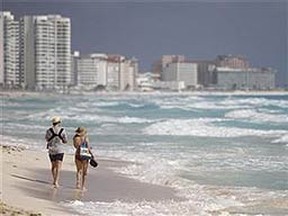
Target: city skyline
(200, 31)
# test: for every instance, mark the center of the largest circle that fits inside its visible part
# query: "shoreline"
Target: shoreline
(16, 94)
(26, 184)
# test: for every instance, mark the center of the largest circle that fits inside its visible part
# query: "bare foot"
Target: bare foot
(55, 185)
(84, 189)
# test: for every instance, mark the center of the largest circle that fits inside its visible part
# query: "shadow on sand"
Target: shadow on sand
(103, 185)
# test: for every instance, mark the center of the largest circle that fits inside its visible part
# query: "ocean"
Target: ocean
(225, 154)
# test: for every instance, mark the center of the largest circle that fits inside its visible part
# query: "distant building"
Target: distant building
(169, 85)
(159, 65)
(147, 81)
(128, 74)
(232, 61)
(181, 71)
(206, 75)
(150, 82)
(9, 51)
(225, 72)
(245, 79)
(74, 68)
(121, 73)
(46, 51)
(90, 69)
(112, 72)
(35, 51)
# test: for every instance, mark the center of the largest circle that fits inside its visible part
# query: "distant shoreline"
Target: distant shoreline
(12, 94)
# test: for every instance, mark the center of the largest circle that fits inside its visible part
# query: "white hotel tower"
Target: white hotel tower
(45, 59)
(9, 50)
(35, 52)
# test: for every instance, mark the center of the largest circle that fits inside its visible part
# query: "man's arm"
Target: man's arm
(64, 136)
(47, 136)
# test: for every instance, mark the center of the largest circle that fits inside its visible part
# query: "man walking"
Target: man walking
(56, 137)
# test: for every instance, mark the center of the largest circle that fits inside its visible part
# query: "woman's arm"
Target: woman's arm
(76, 142)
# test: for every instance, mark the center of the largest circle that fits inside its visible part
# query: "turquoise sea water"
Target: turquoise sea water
(221, 152)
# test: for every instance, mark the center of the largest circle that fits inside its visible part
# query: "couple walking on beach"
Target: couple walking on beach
(56, 137)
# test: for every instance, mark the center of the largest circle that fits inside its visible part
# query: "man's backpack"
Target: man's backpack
(56, 135)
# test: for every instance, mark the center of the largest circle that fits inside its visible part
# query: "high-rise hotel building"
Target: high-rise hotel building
(46, 51)
(42, 47)
(9, 50)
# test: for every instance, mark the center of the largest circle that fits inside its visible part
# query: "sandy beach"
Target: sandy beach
(26, 184)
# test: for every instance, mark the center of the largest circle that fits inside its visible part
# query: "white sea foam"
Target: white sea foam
(283, 139)
(13, 141)
(200, 200)
(256, 116)
(213, 105)
(145, 208)
(128, 120)
(25, 127)
(89, 117)
(105, 103)
(134, 105)
(120, 208)
(259, 102)
(163, 172)
(203, 127)
(185, 104)
(32, 144)
(191, 103)
(188, 103)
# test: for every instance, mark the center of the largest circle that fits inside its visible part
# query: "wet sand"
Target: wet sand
(26, 183)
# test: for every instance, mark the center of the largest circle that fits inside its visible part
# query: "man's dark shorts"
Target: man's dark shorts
(55, 157)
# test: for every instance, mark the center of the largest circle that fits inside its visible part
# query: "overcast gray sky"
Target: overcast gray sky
(200, 30)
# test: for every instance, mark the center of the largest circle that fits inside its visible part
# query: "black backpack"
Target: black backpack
(56, 135)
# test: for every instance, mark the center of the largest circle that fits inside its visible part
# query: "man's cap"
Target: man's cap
(56, 119)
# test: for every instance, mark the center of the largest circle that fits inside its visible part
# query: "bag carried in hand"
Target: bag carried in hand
(84, 152)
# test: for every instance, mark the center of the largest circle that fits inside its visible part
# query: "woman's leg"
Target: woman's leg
(84, 173)
(78, 172)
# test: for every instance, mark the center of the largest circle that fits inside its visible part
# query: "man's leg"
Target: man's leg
(58, 165)
(53, 170)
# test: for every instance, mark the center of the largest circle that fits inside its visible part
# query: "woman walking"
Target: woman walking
(82, 156)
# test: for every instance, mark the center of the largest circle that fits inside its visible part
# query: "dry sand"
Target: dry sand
(26, 184)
